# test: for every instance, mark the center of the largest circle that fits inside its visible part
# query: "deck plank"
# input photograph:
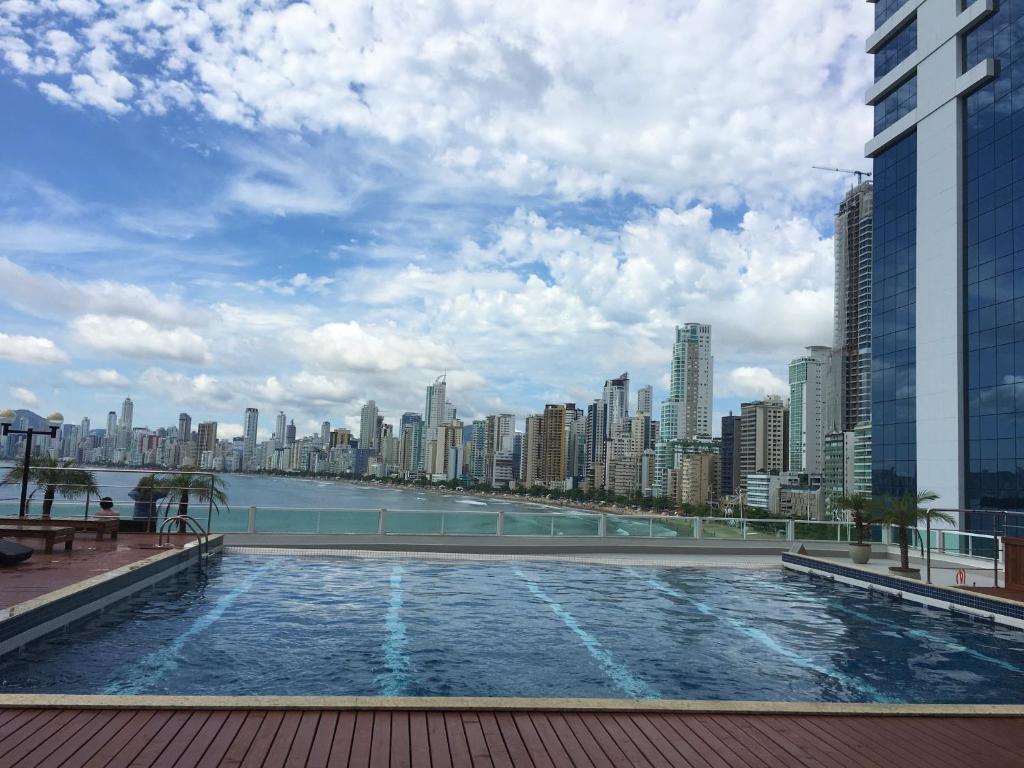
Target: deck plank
(362, 737)
(239, 745)
(126, 738)
(279, 749)
(77, 739)
(122, 721)
(440, 752)
(302, 744)
(36, 744)
(458, 747)
(261, 742)
(479, 753)
(217, 751)
(419, 740)
(320, 747)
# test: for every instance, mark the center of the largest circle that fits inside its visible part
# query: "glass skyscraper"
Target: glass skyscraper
(948, 153)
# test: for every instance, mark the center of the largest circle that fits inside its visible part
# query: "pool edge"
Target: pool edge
(436, 703)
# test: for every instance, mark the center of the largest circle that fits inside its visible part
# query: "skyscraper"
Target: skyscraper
(206, 436)
(763, 433)
(686, 413)
(111, 425)
(616, 398)
(645, 400)
(252, 417)
(184, 427)
(851, 338)
(279, 429)
(729, 466)
(808, 378)
(944, 397)
(127, 412)
(325, 433)
(369, 436)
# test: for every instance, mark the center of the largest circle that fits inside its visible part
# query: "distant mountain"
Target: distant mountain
(32, 419)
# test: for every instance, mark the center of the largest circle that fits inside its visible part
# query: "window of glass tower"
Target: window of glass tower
(886, 8)
(896, 105)
(896, 50)
(893, 338)
(994, 267)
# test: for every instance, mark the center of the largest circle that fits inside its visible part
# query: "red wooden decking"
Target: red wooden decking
(98, 738)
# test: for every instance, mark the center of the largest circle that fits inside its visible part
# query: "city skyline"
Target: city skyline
(260, 252)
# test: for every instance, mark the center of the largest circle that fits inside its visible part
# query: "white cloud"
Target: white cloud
(24, 396)
(294, 284)
(30, 349)
(750, 382)
(200, 390)
(132, 337)
(99, 377)
(355, 347)
(573, 98)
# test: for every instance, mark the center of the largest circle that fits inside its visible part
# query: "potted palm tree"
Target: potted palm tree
(905, 512)
(861, 517)
(55, 478)
(184, 487)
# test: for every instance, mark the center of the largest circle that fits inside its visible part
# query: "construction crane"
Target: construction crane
(859, 174)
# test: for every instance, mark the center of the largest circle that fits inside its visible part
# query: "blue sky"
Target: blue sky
(301, 206)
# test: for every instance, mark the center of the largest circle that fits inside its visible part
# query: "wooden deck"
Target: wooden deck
(296, 738)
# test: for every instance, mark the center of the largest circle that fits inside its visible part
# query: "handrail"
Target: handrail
(193, 526)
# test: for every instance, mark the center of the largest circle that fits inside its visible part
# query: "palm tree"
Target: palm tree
(185, 487)
(860, 511)
(54, 478)
(905, 512)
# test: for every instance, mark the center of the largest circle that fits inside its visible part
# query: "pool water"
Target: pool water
(300, 626)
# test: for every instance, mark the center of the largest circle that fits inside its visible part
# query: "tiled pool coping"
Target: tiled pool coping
(1007, 612)
(444, 703)
(31, 619)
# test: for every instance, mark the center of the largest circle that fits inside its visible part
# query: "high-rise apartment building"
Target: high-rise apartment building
(616, 399)
(553, 444)
(369, 435)
(279, 429)
(763, 438)
(249, 427)
(944, 293)
(111, 425)
(808, 383)
(530, 457)
(729, 464)
(686, 413)
(851, 338)
(645, 400)
(206, 436)
(127, 414)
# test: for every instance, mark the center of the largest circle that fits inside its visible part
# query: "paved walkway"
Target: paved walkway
(109, 738)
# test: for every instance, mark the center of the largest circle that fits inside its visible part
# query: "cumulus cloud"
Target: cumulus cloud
(24, 396)
(752, 382)
(31, 349)
(132, 337)
(199, 390)
(296, 283)
(568, 98)
(99, 377)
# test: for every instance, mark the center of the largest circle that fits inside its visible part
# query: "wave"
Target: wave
(470, 501)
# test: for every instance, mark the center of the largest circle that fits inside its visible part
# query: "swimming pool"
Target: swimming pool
(334, 626)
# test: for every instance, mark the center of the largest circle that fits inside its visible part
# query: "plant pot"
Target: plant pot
(907, 573)
(860, 553)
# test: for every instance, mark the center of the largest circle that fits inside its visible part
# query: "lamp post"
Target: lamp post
(7, 422)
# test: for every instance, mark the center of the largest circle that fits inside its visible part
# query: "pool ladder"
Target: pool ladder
(202, 536)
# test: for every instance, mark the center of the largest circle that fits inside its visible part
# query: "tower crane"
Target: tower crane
(859, 174)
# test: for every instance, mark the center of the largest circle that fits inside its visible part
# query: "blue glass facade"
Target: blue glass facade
(896, 50)
(994, 267)
(886, 8)
(896, 105)
(893, 320)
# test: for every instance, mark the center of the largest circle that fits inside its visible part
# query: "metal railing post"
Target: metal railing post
(602, 526)
(552, 534)
(380, 521)
(928, 556)
(650, 527)
(743, 528)
(501, 522)
(995, 563)
(442, 523)
(791, 530)
(252, 520)
(698, 528)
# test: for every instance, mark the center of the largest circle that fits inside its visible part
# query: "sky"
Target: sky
(300, 206)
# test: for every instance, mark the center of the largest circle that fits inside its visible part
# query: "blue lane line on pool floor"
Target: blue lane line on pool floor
(920, 634)
(625, 680)
(393, 682)
(151, 668)
(765, 639)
